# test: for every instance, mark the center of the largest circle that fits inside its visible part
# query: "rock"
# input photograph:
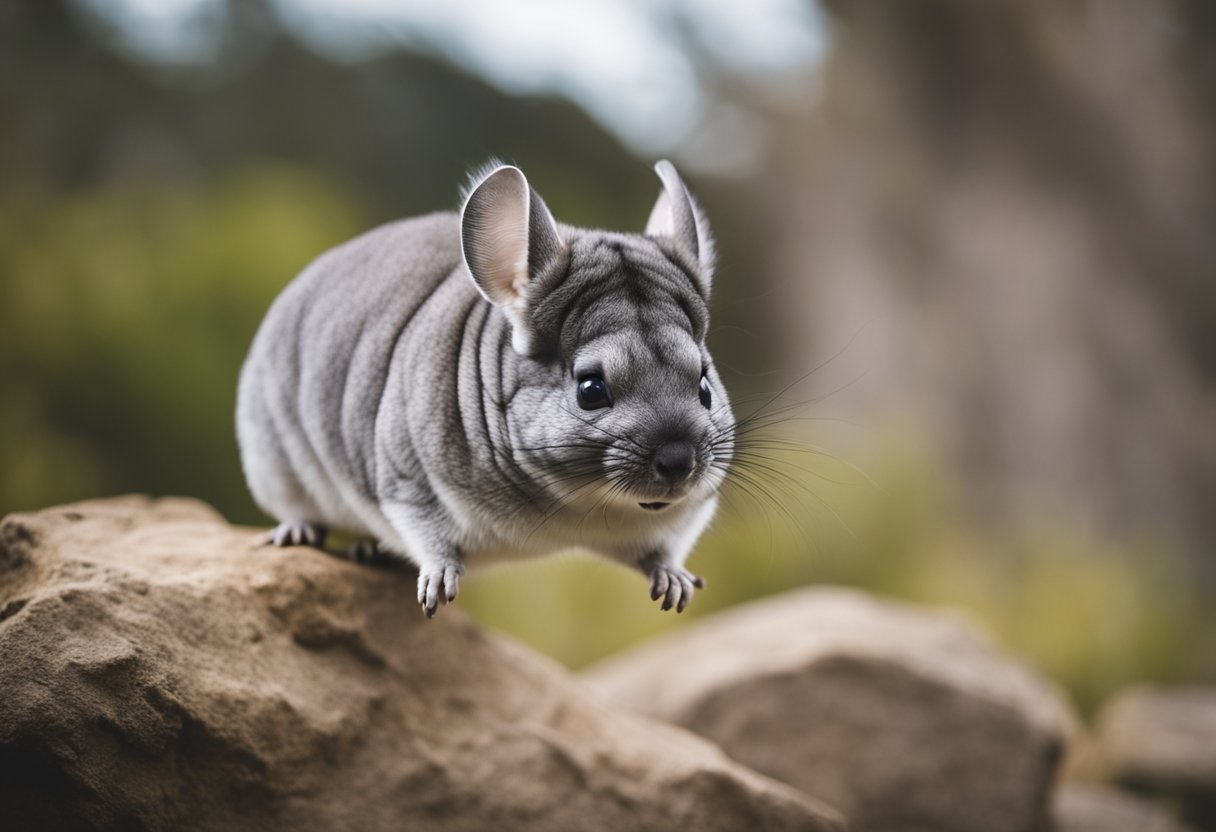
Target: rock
(903, 719)
(1163, 741)
(1088, 808)
(161, 671)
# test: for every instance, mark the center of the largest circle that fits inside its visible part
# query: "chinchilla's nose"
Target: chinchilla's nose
(674, 461)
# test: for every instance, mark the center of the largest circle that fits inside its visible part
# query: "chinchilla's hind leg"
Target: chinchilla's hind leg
(275, 481)
(297, 533)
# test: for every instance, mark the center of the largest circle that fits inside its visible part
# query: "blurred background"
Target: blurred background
(967, 276)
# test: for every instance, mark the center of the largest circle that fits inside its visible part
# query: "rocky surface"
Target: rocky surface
(1089, 808)
(161, 671)
(903, 719)
(1163, 741)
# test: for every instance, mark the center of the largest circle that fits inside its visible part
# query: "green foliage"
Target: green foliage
(126, 315)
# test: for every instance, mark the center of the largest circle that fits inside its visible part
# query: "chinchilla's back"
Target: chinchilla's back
(311, 387)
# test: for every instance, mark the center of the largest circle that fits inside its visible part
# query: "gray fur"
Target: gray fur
(417, 385)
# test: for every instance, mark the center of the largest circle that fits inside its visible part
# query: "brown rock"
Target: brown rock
(1163, 741)
(160, 671)
(1088, 808)
(903, 719)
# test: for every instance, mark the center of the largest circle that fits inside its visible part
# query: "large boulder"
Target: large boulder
(1163, 741)
(161, 671)
(903, 719)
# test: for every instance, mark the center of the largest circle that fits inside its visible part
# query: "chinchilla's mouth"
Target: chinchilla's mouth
(654, 506)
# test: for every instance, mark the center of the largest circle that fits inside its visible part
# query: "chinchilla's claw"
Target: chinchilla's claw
(674, 585)
(658, 584)
(451, 583)
(438, 586)
(675, 593)
(686, 591)
(297, 533)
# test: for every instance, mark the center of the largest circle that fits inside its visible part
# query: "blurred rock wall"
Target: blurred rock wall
(1010, 207)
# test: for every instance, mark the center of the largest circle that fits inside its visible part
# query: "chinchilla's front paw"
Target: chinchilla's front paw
(438, 585)
(297, 533)
(673, 584)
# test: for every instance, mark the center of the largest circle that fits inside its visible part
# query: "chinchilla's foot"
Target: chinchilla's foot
(297, 533)
(674, 585)
(438, 586)
(366, 551)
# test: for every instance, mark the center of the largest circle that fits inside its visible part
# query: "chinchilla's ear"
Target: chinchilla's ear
(678, 217)
(507, 236)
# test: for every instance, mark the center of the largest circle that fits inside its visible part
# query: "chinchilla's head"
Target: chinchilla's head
(618, 395)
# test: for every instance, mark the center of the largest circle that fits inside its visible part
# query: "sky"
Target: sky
(621, 60)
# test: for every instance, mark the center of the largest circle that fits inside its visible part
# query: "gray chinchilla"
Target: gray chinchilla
(494, 385)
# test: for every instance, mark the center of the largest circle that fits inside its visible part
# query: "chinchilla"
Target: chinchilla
(495, 385)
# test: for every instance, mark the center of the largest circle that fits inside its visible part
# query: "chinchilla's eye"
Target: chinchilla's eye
(707, 396)
(593, 393)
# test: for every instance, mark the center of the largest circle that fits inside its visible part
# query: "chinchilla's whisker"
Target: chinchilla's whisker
(605, 431)
(765, 466)
(752, 473)
(772, 465)
(755, 432)
(561, 504)
(568, 493)
(794, 447)
(746, 458)
(765, 498)
(766, 409)
(558, 482)
(770, 420)
(840, 420)
(763, 489)
(597, 447)
(538, 487)
(615, 487)
(612, 490)
(747, 490)
(762, 419)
